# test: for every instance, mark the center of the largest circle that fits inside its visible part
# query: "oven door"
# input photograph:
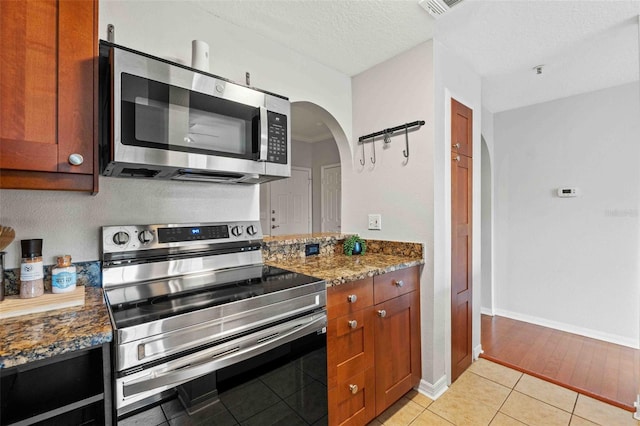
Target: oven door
(143, 384)
(169, 115)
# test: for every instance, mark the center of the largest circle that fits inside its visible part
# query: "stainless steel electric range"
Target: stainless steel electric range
(195, 312)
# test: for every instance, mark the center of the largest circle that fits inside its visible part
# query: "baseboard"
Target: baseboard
(607, 337)
(433, 391)
(477, 351)
(487, 311)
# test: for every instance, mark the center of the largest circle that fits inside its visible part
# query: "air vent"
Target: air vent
(438, 7)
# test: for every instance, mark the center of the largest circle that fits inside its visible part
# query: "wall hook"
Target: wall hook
(373, 144)
(387, 136)
(405, 152)
(362, 160)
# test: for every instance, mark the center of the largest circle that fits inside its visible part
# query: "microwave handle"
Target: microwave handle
(264, 134)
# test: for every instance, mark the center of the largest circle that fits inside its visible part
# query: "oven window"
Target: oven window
(158, 115)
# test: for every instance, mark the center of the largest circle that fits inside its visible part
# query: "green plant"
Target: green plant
(350, 243)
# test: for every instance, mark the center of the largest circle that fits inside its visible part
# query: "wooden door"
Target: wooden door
(461, 129)
(47, 82)
(291, 203)
(461, 226)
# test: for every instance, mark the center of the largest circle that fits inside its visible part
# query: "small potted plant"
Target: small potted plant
(354, 245)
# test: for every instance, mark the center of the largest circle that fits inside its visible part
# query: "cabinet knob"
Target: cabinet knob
(76, 159)
(456, 145)
(353, 324)
(398, 283)
(352, 298)
(456, 158)
(382, 313)
(353, 389)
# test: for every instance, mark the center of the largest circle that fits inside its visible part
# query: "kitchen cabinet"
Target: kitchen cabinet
(350, 356)
(48, 79)
(74, 388)
(397, 335)
(373, 345)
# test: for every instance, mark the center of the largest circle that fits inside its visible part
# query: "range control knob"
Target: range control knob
(236, 231)
(120, 238)
(145, 237)
(251, 230)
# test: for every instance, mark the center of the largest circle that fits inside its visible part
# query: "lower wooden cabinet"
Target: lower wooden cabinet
(373, 350)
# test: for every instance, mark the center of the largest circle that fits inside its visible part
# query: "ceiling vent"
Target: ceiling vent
(438, 7)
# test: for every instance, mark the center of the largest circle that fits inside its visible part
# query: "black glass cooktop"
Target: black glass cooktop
(152, 301)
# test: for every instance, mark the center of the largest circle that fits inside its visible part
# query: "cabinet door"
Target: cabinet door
(352, 402)
(47, 80)
(397, 348)
(349, 346)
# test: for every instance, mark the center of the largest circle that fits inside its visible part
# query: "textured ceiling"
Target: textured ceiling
(347, 35)
(585, 45)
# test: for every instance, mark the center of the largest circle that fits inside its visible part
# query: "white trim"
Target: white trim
(487, 311)
(569, 328)
(322, 171)
(477, 351)
(434, 391)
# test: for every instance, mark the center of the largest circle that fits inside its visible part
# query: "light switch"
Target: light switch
(375, 221)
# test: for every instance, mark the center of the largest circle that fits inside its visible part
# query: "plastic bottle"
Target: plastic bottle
(31, 270)
(63, 275)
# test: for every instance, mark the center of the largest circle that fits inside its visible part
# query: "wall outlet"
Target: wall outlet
(375, 221)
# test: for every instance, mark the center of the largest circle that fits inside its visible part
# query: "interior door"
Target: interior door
(291, 203)
(331, 198)
(461, 226)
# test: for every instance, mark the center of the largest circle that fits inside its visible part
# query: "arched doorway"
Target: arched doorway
(310, 201)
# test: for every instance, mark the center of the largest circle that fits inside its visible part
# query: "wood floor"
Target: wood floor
(605, 371)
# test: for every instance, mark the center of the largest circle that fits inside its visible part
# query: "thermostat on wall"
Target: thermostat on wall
(568, 192)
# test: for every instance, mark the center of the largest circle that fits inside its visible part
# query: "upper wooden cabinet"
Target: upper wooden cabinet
(48, 89)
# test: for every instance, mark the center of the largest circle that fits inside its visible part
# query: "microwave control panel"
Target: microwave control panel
(277, 145)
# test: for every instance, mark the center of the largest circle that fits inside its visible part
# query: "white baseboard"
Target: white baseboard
(486, 311)
(433, 391)
(477, 351)
(569, 328)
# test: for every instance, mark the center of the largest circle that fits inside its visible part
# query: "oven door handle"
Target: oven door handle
(231, 353)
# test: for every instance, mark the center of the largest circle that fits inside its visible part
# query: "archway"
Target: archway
(320, 147)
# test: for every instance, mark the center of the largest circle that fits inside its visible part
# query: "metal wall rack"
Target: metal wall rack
(387, 139)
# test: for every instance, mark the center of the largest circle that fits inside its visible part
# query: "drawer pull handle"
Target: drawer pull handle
(76, 159)
(398, 283)
(353, 389)
(352, 298)
(382, 313)
(353, 324)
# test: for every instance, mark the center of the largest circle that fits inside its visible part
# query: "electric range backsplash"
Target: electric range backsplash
(89, 274)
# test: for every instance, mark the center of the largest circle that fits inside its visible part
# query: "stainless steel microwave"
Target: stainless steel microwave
(163, 120)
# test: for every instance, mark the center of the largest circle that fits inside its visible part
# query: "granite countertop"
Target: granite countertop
(339, 269)
(43, 335)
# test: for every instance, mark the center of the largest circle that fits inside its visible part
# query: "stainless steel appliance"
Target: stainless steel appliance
(193, 305)
(163, 120)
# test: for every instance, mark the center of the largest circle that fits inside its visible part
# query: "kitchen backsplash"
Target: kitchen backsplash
(89, 274)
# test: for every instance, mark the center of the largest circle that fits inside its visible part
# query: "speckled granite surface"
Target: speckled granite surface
(339, 269)
(38, 336)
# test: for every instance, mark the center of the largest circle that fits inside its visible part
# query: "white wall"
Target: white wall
(570, 263)
(453, 78)
(69, 222)
(392, 93)
(487, 212)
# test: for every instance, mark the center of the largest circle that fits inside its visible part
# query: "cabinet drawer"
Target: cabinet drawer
(352, 402)
(396, 283)
(349, 349)
(338, 297)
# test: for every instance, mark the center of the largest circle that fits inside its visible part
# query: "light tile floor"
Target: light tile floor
(490, 394)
